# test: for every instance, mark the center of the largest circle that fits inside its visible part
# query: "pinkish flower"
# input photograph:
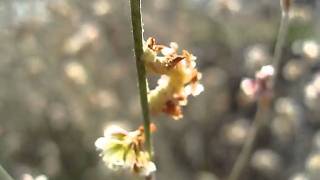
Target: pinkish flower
(259, 86)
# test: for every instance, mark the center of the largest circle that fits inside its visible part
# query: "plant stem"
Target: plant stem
(258, 122)
(276, 62)
(136, 19)
(137, 31)
(264, 105)
(4, 175)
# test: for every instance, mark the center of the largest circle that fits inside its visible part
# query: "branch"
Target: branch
(277, 63)
(136, 19)
(264, 105)
(258, 122)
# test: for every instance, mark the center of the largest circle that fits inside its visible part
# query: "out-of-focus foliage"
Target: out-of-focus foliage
(67, 71)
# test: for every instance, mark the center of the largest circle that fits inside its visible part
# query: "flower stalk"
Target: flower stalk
(265, 102)
(137, 30)
(258, 122)
(282, 34)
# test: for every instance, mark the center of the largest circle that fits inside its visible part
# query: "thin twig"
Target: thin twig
(138, 49)
(4, 175)
(259, 119)
(276, 62)
(264, 105)
(137, 28)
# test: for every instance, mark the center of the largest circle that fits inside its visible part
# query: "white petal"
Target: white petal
(188, 90)
(193, 64)
(148, 169)
(247, 86)
(199, 88)
(167, 51)
(100, 143)
(114, 160)
(113, 129)
(174, 45)
(265, 71)
(163, 81)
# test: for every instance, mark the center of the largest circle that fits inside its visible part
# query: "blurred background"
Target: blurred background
(67, 71)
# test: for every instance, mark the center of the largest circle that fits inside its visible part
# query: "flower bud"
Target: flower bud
(259, 86)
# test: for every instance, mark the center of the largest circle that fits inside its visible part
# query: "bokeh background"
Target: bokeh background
(67, 71)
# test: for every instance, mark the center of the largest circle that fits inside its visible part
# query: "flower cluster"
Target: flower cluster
(179, 77)
(122, 149)
(259, 86)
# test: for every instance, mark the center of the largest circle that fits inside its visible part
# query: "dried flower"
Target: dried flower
(122, 149)
(179, 77)
(260, 85)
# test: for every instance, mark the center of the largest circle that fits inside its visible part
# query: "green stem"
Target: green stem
(261, 116)
(276, 62)
(4, 175)
(142, 81)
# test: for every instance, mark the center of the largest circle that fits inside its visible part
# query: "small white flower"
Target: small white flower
(76, 72)
(265, 72)
(259, 86)
(248, 86)
(311, 49)
(122, 149)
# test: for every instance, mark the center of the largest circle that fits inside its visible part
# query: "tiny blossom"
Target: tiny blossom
(76, 72)
(101, 7)
(179, 77)
(311, 49)
(87, 34)
(260, 85)
(256, 56)
(265, 72)
(312, 92)
(123, 149)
